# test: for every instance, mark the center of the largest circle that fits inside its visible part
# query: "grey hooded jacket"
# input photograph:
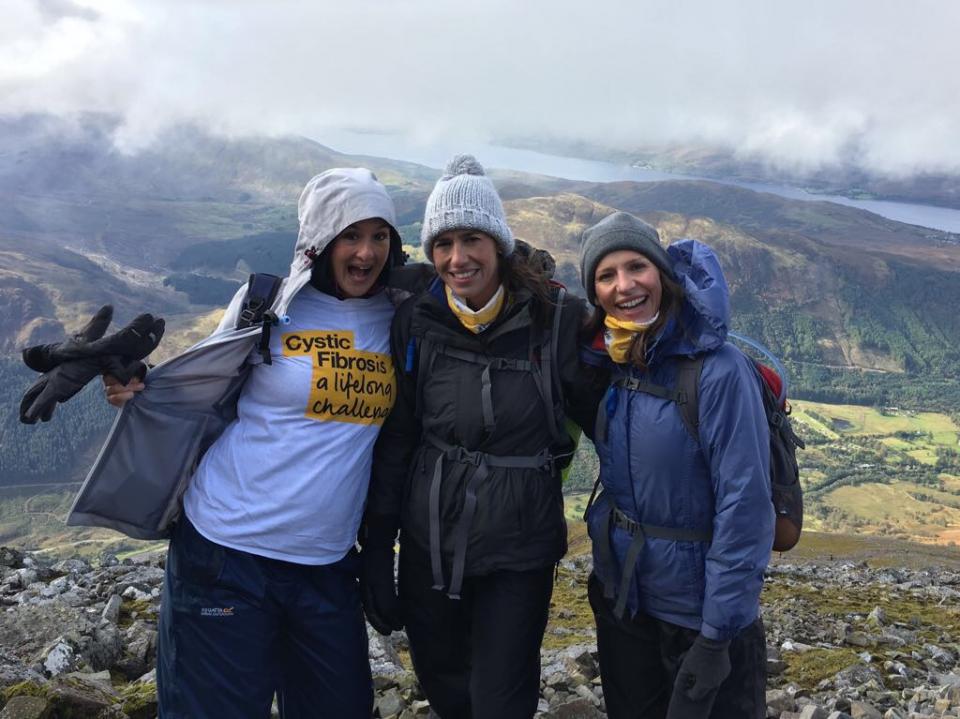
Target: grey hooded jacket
(159, 436)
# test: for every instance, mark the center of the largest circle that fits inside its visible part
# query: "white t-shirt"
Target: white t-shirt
(288, 478)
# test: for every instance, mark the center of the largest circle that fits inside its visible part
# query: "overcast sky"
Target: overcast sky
(800, 83)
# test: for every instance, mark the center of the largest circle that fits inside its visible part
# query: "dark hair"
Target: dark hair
(671, 298)
(321, 274)
(525, 269)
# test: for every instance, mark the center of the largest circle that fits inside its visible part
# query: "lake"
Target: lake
(436, 154)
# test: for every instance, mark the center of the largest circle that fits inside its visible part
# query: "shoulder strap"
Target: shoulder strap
(689, 370)
(685, 394)
(425, 358)
(549, 361)
(262, 290)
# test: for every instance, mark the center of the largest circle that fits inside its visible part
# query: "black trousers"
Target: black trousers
(639, 659)
(478, 656)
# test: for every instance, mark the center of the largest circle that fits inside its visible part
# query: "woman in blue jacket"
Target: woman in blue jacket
(683, 529)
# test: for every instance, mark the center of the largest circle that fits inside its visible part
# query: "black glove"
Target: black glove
(133, 342)
(68, 366)
(65, 380)
(43, 358)
(701, 673)
(377, 586)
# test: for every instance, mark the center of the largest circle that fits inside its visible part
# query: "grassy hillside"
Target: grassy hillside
(830, 311)
(885, 472)
(881, 471)
(32, 517)
(861, 309)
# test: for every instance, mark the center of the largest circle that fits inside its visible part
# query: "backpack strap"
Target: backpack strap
(689, 370)
(481, 461)
(639, 531)
(486, 383)
(686, 393)
(262, 289)
(550, 379)
(425, 359)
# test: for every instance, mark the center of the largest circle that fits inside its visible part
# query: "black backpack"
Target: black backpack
(784, 472)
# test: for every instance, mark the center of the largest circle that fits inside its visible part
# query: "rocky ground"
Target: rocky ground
(844, 640)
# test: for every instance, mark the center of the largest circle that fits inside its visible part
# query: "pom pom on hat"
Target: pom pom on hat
(465, 199)
(463, 165)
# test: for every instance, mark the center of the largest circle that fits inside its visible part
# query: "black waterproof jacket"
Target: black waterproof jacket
(438, 439)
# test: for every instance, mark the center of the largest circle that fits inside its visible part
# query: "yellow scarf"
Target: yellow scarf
(619, 334)
(477, 321)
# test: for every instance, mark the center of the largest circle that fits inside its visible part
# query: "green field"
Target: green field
(32, 518)
(875, 471)
(884, 471)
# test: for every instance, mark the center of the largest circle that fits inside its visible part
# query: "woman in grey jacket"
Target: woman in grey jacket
(261, 594)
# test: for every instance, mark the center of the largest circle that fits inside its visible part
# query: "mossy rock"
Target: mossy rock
(811, 667)
(571, 619)
(139, 700)
(131, 606)
(26, 706)
(24, 689)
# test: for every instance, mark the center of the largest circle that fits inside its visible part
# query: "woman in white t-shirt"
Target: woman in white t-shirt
(261, 590)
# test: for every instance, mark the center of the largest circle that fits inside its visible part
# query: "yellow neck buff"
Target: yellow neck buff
(619, 334)
(477, 321)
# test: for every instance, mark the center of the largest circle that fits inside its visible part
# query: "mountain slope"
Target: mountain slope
(861, 308)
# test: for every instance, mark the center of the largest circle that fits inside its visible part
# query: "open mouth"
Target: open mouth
(633, 303)
(359, 273)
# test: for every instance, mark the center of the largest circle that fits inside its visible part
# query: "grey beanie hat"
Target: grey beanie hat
(465, 198)
(619, 231)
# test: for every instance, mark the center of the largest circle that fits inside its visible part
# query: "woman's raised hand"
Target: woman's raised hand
(119, 394)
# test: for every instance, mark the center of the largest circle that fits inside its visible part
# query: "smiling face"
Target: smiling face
(468, 263)
(628, 286)
(358, 256)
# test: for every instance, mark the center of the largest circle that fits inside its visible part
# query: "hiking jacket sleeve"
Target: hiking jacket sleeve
(735, 440)
(583, 385)
(400, 434)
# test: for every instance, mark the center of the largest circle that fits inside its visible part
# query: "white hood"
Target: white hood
(330, 202)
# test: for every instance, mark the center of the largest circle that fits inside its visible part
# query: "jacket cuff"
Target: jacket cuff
(379, 529)
(718, 635)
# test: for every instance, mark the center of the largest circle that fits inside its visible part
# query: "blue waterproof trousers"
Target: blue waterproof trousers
(237, 628)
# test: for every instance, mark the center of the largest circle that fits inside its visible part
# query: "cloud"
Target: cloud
(800, 84)
(53, 10)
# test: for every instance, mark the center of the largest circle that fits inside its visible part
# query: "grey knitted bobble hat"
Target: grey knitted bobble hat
(465, 199)
(619, 231)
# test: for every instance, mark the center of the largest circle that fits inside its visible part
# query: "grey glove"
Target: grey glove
(704, 668)
(133, 342)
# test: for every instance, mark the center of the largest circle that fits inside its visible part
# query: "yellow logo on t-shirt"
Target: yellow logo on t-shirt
(348, 385)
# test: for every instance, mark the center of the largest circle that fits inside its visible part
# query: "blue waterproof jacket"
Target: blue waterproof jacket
(657, 473)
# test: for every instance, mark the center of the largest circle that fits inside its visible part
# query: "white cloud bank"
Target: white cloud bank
(801, 83)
